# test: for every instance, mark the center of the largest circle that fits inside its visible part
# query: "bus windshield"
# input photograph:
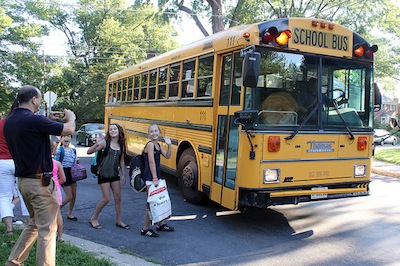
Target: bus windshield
(315, 91)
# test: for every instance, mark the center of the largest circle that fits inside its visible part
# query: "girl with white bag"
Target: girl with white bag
(152, 174)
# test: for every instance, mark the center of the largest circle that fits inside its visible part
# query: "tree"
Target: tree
(103, 37)
(18, 52)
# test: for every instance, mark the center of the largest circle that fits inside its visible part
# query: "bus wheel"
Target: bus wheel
(188, 177)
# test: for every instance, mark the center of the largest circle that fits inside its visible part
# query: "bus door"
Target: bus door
(226, 156)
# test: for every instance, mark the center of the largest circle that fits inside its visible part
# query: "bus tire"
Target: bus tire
(188, 177)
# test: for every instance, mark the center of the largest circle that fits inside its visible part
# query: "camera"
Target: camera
(59, 114)
(47, 176)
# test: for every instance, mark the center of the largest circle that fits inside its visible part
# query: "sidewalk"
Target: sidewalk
(387, 169)
(101, 251)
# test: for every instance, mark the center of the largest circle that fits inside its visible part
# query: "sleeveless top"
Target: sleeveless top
(147, 173)
(109, 166)
(4, 152)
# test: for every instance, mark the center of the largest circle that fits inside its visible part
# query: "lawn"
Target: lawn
(66, 254)
(388, 155)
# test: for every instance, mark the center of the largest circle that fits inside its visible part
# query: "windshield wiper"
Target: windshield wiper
(333, 103)
(304, 122)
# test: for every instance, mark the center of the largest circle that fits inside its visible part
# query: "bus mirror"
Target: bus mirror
(251, 69)
(394, 122)
(246, 117)
(377, 98)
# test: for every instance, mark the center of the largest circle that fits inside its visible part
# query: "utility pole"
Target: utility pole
(46, 106)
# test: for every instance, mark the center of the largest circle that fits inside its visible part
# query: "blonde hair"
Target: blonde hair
(159, 129)
(53, 146)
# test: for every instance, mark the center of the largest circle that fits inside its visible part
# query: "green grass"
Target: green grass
(66, 254)
(388, 155)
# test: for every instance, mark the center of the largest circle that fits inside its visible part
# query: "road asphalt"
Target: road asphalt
(115, 256)
(122, 259)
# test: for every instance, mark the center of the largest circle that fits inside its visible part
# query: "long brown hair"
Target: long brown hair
(121, 136)
(13, 106)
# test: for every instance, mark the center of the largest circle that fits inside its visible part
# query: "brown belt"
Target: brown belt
(34, 176)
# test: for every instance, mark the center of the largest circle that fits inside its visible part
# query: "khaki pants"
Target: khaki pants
(42, 205)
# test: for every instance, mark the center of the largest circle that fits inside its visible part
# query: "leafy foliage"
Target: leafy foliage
(103, 37)
(18, 51)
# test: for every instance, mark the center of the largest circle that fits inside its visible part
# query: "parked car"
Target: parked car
(382, 136)
(88, 133)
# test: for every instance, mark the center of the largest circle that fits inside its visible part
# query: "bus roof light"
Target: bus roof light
(362, 143)
(283, 37)
(358, 50)
(314, 23)
(323, 25)
(274, 143)
(246, 36)
(269, 35)
(331, 26)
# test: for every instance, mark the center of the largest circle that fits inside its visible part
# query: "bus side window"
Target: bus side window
(174, 80)
(205, 74)
(124, 90)
(188, 78)
(162, 80)
(119, 92)
(143, 89)
(130, 88)
(152, 84)
(136, 87)
(237, 82)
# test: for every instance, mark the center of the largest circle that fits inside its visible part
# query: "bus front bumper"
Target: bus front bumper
(270, 197)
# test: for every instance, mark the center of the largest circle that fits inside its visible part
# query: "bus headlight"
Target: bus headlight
(360, 170)
(271, 175)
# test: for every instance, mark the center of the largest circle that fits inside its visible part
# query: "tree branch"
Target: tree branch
(195, 17)
(235, 15)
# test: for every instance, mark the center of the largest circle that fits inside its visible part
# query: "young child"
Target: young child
(59, 178)
(152, 173)
(109, 178)
(68, 160)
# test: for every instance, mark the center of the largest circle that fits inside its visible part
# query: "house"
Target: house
(390, 108)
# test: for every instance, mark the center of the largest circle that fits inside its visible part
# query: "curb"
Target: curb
(101, 251)
(376, 170)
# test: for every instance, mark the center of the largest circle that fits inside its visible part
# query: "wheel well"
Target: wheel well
(182, 147)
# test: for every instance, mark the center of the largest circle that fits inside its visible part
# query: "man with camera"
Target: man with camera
(28, 139)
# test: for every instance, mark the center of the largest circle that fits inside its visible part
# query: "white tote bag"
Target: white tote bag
(159, 202)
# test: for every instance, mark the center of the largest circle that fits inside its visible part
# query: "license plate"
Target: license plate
(319, 196)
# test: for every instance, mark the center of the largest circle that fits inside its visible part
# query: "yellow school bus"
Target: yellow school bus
(277, 112)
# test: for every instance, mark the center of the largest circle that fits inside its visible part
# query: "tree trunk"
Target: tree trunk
(217, 18)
